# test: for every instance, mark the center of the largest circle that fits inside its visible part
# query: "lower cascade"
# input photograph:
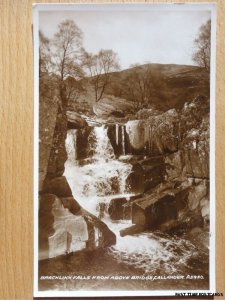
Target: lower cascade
(102, 179)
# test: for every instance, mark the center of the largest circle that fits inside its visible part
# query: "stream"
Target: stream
(95, 181)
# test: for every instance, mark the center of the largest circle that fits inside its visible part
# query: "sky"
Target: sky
(138, 36)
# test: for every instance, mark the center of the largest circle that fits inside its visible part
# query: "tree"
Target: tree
(44, 55)
(67, 44)
(203, 46)
(99, 67)
(140, 84)
(73, 89)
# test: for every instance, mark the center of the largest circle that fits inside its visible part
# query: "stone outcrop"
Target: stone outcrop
(75, 121)
(168, 208)
(58, 186)
(112, 106)
(146, 113)
(47, 118)
(60, 231)
(63, 225)
(152, 211)
(58, 153)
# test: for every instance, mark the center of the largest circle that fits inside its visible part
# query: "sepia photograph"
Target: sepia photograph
(124, 191)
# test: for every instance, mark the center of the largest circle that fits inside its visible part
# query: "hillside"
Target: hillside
(176, 84)
(171, 85)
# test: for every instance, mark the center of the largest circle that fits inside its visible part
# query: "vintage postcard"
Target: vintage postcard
(124, 197)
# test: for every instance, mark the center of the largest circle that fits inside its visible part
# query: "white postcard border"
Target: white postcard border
(134, 6)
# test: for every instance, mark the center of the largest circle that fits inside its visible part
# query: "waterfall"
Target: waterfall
(117, 134)
(123, 141)
(100, 179)
(71, 144)
(95, 183)
(102, 148)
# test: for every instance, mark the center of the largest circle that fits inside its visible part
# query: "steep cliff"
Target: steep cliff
(63, 225)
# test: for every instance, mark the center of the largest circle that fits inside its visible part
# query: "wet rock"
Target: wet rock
(174, 165)
(48, 110)
(135, 182)
(58, 155)
(75, 121)
(71, 204)
(134, 229)
(159, 208)
(46, 224)
(118, 139)
(61, 231)
(196, 194)
(83, 142)
(116, 208)
(137, 134)
(154, 174)
(58, 186)
(199, 237)
(104, 237)
(196, 165)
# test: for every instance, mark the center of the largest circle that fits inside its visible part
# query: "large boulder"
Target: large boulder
(112, 106)
(57, 186)
(75, 121)
(156, 210)
(59, 230)
(116, 209)
(65, 227)
(146, 113)
(135, 182)
(136, 131)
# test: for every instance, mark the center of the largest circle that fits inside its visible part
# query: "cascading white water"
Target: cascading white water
(71, 142)
(117, 134)
(123, 141)
(103, 178)
(94, 185)
(103, 149)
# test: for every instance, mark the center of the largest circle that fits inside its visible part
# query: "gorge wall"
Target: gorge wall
(63, 225)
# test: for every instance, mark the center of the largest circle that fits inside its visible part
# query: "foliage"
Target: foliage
(99, 67)
(45, 61)
(203, 46)
(66, 50)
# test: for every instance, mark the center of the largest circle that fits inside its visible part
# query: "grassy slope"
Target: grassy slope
(180, 84)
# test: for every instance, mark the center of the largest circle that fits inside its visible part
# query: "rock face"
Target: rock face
(63, 225)
(146, 113)
(47, 118)
(155, 210)
(58, 186)
(58, 153)
(155, 135)
(182, 207)
(175, 165)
